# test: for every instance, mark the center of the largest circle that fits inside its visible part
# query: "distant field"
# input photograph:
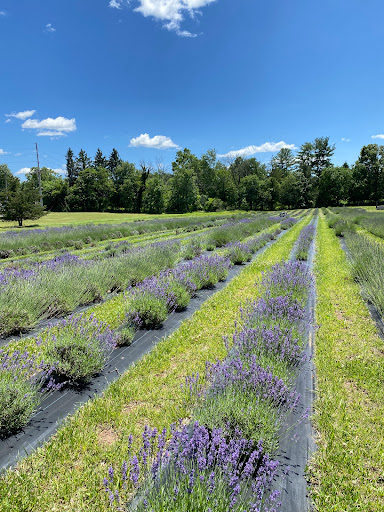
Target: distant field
(54, 219)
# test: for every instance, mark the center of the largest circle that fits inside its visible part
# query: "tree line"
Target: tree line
(303, 179)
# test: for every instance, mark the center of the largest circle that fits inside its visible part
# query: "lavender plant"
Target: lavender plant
(24, 381)
(195, 470)
(304, 242)
(78, 346)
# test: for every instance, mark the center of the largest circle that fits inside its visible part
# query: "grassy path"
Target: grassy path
(348, 468)
(67, 473)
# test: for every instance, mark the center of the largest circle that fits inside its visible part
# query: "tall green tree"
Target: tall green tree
(113, 162)
(54, 188)
(92, 190)
(371, 167)
(22, 204)
(184, 192)
(154, 195)
(100, 160)
(334, 186)
(72, 171)
(82, 161)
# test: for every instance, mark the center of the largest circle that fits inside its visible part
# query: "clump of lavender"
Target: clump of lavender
(288, 278)
(196, 469)
(238, 252)
(78, 347)
(193, 249)
(24, 381)
(244, 395)
(304, 242)
(288, 222)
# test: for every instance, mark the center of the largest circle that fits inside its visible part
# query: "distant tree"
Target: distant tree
(82, 161)
(154, 195)
(206, 173)
(371, 166)
(126, 179)
(185, 160)
(144, 173)
(113, 162)
(54, 188)
(291, 191)
(284, 162)
(72, 171)
(184, 192)
(92, 191)
(226, 189)
(334, 186)
(316, 155)
(241, 168)
(22, 204)
(8, 182)
(100, 160)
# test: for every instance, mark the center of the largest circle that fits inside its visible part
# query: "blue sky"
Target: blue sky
(149, 76)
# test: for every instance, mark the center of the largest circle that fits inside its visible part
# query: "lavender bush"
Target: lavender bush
(195, 470)
(304, 242)
(78, 346)
(24, 381)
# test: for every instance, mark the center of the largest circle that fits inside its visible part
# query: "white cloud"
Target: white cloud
(157, 142)
(49, 28)
(171, 12)
(21, 115)
(8, 121)
(18, 154)
(115, 4)
(3, 13)
(51, 127)
(267, 147)
(2, 152)
(50, 133)
(379, 136)
(24, 170)
(343, 139)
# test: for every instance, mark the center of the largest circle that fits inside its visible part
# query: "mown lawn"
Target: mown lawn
(348, 469)
(67, 473)
(55, 219)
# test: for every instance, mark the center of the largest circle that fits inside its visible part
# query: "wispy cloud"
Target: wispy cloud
(170, 12)
(51, 127)
(267, 147)
(116, 4)
(379, 136)
(3, 152)
(343, 139)
(50, 28)
(157, 142)
(21, 115)
(24, 170)
(3, 13)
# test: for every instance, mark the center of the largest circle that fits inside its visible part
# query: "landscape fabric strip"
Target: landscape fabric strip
(131, 397)
(185, 471)
(80, 360)
(347, 468)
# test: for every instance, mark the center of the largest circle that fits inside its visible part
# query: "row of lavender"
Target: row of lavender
(223, 459)
(19, 242)
(78, 347)
(34, 292)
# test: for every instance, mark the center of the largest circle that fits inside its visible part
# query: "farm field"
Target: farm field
(193, 344)
(58, 219)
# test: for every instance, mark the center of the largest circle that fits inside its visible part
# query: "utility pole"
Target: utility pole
(39, 175)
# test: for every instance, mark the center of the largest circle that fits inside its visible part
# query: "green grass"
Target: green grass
(67, 473)
(347, 470)
(57, 219)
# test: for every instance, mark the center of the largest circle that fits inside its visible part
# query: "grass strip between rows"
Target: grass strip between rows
(347, 470)
(67, 473)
